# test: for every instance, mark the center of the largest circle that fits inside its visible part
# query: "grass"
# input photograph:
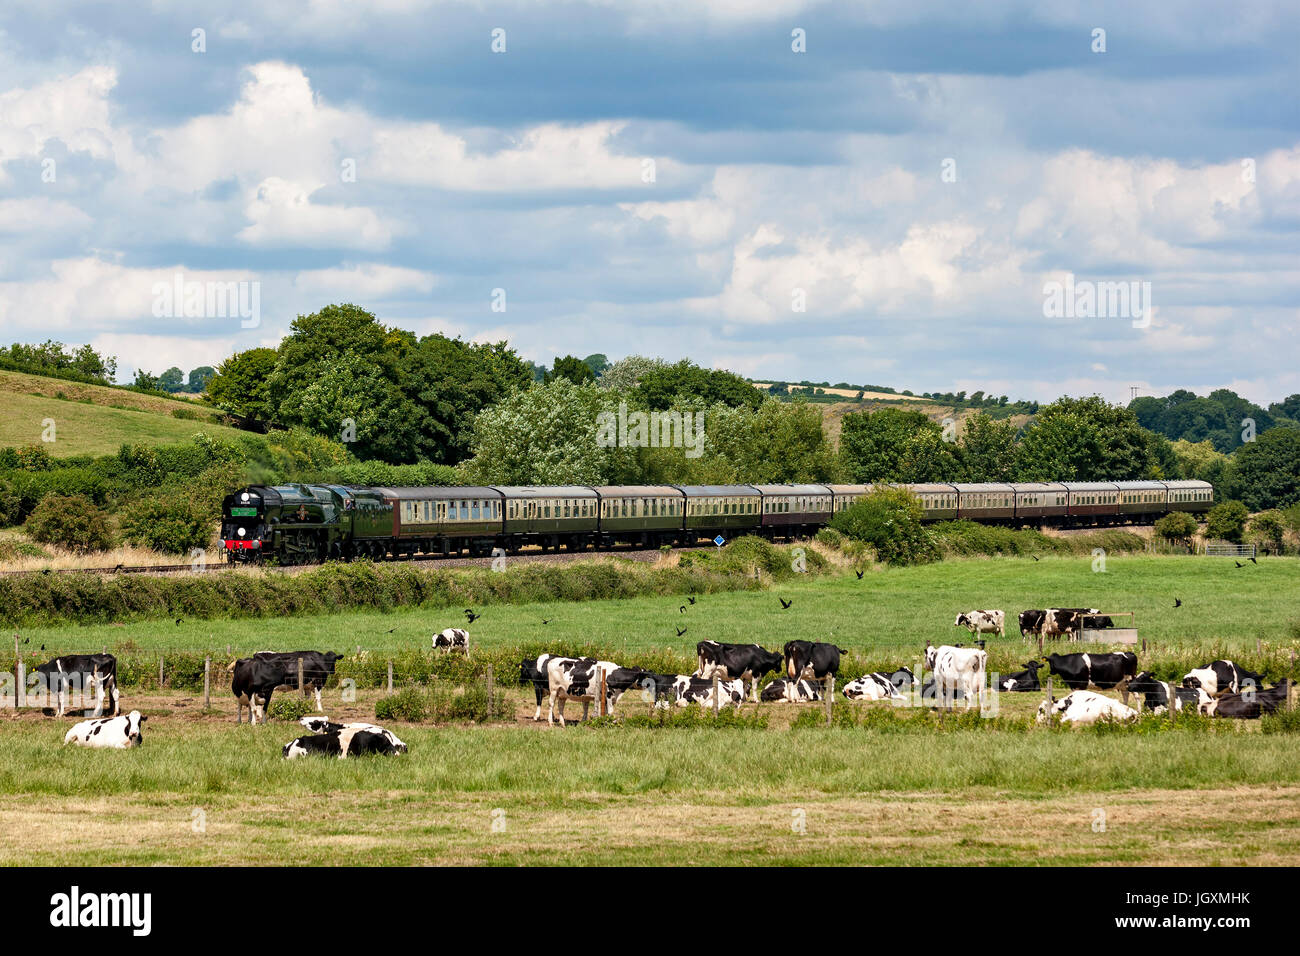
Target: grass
(93, 419)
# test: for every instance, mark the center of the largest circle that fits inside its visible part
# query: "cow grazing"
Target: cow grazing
(1156, 694)
(809, 660)
(957, 669)
(784, 690)
(452, 639)
(1100, 670)
(72, 675)
(1084, 707)
(1221, 677)
(323, 725)
(1025, 680)
(340, 743)
(983, 622)
(1031, 622)
(880, 686)
(1250, 703)
(1096, 622)
(1064, 620)
(117, 733)
(689, 689)
(256, 678)
(579, 678)
(747, 662)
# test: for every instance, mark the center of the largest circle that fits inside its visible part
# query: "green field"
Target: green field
(913, 791)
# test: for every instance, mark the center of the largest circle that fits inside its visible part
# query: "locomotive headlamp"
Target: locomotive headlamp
(242, 532)
(244, 496)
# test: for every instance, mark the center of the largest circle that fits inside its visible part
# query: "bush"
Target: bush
(1227, 521)
(1176, 526)
(33, 458)
(71, 522)
(290, 707)
(172, 525)
(889, 519)
(1269, 529)
(10, 505)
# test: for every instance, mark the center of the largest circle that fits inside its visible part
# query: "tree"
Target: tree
(172, 380)
(871, 443)
(1269, 529)
(597, 362)
(627, 373)
(1267, 470)
(987, 449)
(780, 443)
(1086, 439)
(926, 457)
(1176, 526)
(1289, 407)
(890, 520)
(1218, 418)
(69, 521)
(1226, 521)
(686, 383)
(145, 381)
(573, 368)
(199, 378)
(240, 384)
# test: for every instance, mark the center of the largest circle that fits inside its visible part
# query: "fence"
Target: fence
(1225, 549)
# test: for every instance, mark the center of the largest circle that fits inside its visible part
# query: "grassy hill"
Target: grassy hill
(93, 419)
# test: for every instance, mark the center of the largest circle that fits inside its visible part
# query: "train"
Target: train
(299, 524)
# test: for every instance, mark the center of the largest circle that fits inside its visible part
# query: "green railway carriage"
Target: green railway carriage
(1142, 498)
(1092, 501)
(794, 510)
(549, 515)
(643, 515)
(844, 495)
(1192, 497)
(726, 510)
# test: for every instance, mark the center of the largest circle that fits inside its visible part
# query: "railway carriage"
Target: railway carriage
(1041, 500)
(550, 516)
(713, 510)
(1142, 499)
(1091, 501)
(1191, 497)
(844, 495)
(444, 520)
(648, 516)
(986, 501)
(938, 500)
(794, 510)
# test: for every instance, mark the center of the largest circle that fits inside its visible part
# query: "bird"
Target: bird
(691, 597)
(178, 622)
(545, 621)
(859, 574)
(27, 640)
(682, 609)
(42, 647)
(785, 605)
(1034, 556)
(118, 568)
(1178, 602)
(1238, 564)
(681, 631)
(390, 630)
(1253, 561)
(470, 616)
(45, 571)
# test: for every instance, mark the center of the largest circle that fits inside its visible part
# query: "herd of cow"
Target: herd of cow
(952, 673)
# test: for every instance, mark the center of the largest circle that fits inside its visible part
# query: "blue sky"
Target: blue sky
(1173, 157)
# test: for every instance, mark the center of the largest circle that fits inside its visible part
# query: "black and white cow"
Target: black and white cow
(323, 725)
(73, 676)
(118, 733)
(1025, 680)
(1031, 622)
(579, 678)
(1096, 622)
(1221, 677)
(1250, 703)
(880, 686)
(689, 689)
(1100, 670)
(451, 639)
(809, 660)
(747, 662)
(957, 669)
(1064, 620)
(256, 678)
(1084, 707)
(982, 622)
(341, 744)
(533, 671)
(784, 690)
(1157, 694)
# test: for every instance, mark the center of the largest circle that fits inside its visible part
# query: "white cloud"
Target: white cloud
(282, 213)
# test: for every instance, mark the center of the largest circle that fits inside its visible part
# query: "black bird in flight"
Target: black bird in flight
(859, 574)
(1238, 564)
(785, 605)
(691, 597)
(682, 609)
(1177, 602)
(471, 616)
(27, 640)
(1035, 557)
(390, 630)
(42, 647)
(545, 621)
(681, 631)
(1253, 561)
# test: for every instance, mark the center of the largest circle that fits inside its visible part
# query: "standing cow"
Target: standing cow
(748, 662)
(983, 622)
(1102, 670)
(958, 672)
(71, 675)
(808, 660)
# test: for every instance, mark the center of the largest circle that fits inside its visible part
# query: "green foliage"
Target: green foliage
(83, 364)
(573, 368)
(172, 380)
(1217, 418)
(1269, 529)
(199, 378)
(1282, 722)
(926, 457)
(240, 384)
(627, 373)
(747, 555)
(872, 443)
(988, 449)
(71, 522)
(1226, 521)
(290, 707)
(410, 705)
(889, 519)
(1087, 439)
(10, 505)
(441, 703)
(1176, 526)
(1267, 470)
(33, 458)
(685, 383)
(170, 524)
(690, 717)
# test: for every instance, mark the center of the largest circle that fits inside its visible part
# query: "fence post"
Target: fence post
(716, 694)
(161, 658)
(300, 675)
(207, 682)
(828, 688)
(20, 689)
(490, 689)
(600, 707)
(1049, 693)
(390, 678)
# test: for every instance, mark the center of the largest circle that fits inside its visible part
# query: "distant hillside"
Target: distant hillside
(94, 419)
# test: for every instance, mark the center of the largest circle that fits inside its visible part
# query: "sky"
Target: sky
(877, 193)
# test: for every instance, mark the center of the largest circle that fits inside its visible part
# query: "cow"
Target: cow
(579, 678)
(982, 622)
(533, 671)
(1084, 707)
(1025, 680)
(1250, 703)
(809, 660)
(1096, 622)
(117, 733)
(451, 639)
(1220, 677)
(1031, 622)
(748, 662)
(322, 725)
(1156, 694)
(340, 743)
(78, 673)
(1101, 670)
(255, 678)
(957, 669)
(879, 685)
(784, 690)
(689, 689)
(1064, 620)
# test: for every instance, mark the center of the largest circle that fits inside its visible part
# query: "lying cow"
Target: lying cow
(1101, 670)
(1250, 703)
(809, 660)
(117, 733)
(1084, 707)
(748, 662)
(579, 678)
(784, 690)
(957, 669)
(256, 678)
(689, 689)
(982, 622)
(1025, 680)
(1221, 677)
(452, 639)
(1157, 695)
(341, 743)
(880, 686)
(323, 725)
(73, 675)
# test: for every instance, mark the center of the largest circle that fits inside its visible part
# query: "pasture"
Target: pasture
(918, 790)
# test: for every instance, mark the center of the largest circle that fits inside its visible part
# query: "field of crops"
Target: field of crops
(882, 786)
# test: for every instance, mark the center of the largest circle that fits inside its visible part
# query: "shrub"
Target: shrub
(290, 707)
(1282, 722)
(1269, 529)
(1226, 521)
(71, 522)
(410, 704)
(10, 505)
(466, 703)
(33, 458)
(172, 525)
(1176, 526)
(889, 519)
